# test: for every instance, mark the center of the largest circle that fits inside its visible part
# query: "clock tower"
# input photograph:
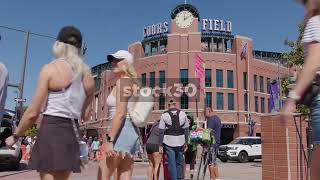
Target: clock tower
(184, 42)
(184, 19)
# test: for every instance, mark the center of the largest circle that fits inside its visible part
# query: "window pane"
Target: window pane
(161, 102)
(184, 101)
(245, 80)
(219, 78)
(208, 78)
(245, 100)
(269, 109)
(268, 85)
(256, 104)
(220, 101)
(261, 84)
(262, 105)
(230, 101)
(184, 76)
(208, 99)
(162, 80)
(255, 79)
(144, 79)
(152, 79)
(230, 78)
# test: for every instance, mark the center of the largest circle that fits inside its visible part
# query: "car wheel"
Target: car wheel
(243, 157)
(223, 159)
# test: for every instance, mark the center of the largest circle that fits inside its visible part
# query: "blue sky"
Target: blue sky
(109, 25)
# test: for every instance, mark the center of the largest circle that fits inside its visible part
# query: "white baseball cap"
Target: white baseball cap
(121, 55)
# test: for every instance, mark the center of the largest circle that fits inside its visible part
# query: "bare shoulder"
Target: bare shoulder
(88, 82)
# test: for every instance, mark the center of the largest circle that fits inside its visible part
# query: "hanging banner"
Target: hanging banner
(200, 71)
(274, 98)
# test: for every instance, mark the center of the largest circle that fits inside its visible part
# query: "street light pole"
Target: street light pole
(23, 68)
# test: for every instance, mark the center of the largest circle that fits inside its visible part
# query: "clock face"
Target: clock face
(184, 19)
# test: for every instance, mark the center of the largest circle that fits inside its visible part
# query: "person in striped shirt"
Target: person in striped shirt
(311, 42)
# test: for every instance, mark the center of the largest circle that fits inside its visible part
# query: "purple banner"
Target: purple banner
(274, 98)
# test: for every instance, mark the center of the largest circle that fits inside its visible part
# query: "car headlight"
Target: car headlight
(232, 148)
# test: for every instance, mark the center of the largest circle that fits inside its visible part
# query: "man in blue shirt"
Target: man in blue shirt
(214, 123)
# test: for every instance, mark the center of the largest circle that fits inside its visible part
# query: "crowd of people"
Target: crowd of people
(66, 87)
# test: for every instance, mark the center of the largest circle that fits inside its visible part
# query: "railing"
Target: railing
(159, 52)
(271, 57)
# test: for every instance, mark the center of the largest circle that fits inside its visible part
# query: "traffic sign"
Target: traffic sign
(19, 100)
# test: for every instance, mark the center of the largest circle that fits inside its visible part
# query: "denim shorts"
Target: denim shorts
(127, 140)
(315, 120)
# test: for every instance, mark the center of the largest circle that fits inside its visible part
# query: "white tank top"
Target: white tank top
(68, 102)
(112, 106)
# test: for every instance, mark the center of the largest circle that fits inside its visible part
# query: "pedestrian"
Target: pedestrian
(89, 143)
(95, 148)
(191, 153)
(122, 141)
(311, 42)
(152, 148)
(66, 87)
(213, 123)
(174, 130)
(4, 78)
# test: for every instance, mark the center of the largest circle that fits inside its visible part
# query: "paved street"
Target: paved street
(229, 171)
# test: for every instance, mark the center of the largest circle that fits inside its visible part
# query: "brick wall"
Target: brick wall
(282, 154)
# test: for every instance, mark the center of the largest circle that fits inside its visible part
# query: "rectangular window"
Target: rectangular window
(230, 101)
(262, 105)
(144, 80)
(268, 85)
(208, 99)
(219, 78)
(220, 101)
(184, 77)
(208, 78)
(245, 101)
(255, 82)
(256, 104)
(152, 79)
(230, 79)
(269, 109)
(261, 84)
(245, 80)
(162, 100)
(184, 101)
(162, 79)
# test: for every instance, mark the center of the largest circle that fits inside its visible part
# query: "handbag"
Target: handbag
(141, 109)
(202, 136)
(310, 94)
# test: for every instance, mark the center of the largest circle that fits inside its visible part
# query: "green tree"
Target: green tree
(32, 132)
(295, 57)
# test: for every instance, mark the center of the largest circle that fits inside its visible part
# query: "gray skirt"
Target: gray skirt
(56, 148)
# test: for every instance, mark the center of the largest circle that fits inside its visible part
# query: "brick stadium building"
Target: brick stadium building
(168, 50)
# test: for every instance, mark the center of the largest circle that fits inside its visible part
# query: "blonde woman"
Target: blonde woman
(66, 87)
(311, 41)
(123, 140)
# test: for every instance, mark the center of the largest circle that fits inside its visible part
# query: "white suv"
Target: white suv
(242, 149)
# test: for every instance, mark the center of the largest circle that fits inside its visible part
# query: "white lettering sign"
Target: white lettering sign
(155, 29)
(216, 25)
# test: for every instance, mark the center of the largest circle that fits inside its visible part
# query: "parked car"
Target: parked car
(9, 157)
(242, 149)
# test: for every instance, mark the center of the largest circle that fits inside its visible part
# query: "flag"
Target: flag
(200, 71)
(274, 98)
(244, 51)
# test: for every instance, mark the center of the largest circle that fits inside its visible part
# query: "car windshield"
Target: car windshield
(236, 141)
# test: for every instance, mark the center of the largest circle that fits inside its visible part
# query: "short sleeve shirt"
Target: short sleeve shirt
(311, 33)
(214, 123)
